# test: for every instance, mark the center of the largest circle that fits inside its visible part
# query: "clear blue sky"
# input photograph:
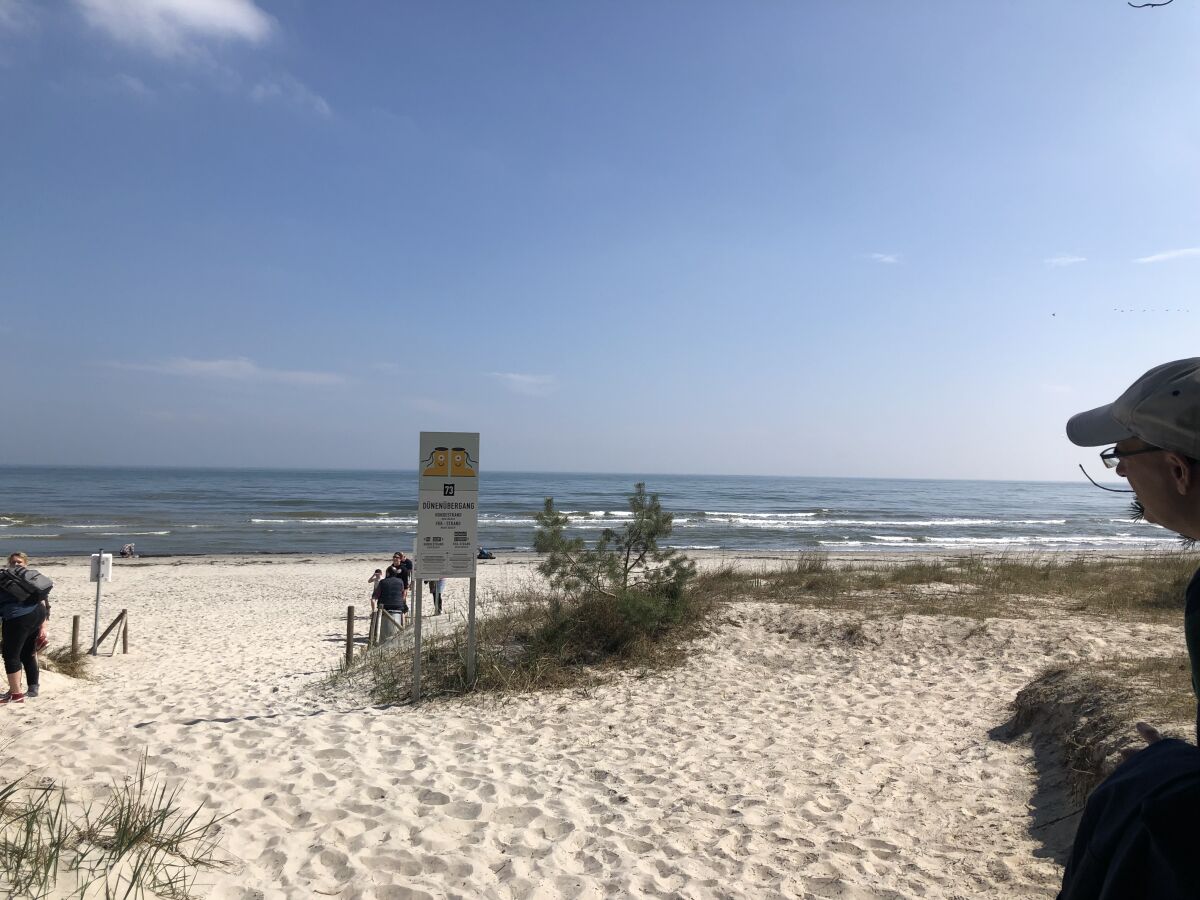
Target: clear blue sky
(872, 238)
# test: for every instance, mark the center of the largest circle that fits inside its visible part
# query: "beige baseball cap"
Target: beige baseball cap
(1162, 408)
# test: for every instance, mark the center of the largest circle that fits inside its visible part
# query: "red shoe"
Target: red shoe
(10, 697)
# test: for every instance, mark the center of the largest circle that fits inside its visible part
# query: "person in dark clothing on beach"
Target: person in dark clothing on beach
(390, 594)
(22, 623)
(1137, 835)
(402, 566)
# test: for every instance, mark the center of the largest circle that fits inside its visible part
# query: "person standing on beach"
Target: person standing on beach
(390, 594)
(1154, 432)
(1137, 834)
(374, 580)
(436, 587)
(402, 566)
(22, 622)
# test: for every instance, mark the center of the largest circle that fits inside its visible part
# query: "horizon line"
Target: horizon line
(160, 467)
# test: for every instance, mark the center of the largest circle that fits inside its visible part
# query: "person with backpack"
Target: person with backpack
(24, 606)
(390, 592)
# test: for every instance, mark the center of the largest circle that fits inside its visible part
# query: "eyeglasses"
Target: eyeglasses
(1112, 456)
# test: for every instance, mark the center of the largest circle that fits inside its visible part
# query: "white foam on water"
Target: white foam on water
(751, 515)
(1065, 542)
(1052, 539)
(130, 533)
(381, 520)
(779, 521)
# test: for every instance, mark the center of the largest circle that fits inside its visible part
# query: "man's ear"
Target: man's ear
(1183, 472)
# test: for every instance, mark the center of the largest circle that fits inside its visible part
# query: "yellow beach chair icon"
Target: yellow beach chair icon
(461, 464)
(437, 463)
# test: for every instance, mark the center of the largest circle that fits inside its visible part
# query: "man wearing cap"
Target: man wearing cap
(1154, 430)
(1137, 834)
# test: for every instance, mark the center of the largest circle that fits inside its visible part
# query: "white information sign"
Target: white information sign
(101, 568)
(448, 507)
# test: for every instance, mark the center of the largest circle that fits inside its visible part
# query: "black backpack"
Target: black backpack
(20, 586)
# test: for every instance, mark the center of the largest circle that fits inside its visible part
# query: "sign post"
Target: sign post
(447, 526)
(101, 572)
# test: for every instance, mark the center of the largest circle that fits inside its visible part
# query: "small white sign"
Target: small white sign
(448, 505)
(101, 568)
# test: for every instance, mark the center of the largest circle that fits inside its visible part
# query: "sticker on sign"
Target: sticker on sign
(447, 511)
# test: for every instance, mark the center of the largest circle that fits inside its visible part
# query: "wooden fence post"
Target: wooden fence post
(74, 635)
(349, 635)
(124, 631)
(107, 631)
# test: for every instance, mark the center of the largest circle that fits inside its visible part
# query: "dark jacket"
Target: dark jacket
(404, 570)
(1138, 834)
(390, 592)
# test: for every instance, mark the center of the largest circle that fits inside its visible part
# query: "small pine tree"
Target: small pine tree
(622, 561)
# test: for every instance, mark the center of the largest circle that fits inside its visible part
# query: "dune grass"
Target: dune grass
(1087, 711)
(139, 841)
(1143, 588)
(535, 640)
(62, 660)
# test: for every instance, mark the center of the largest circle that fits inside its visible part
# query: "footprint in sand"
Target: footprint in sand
(400, 863)
(516, 815)
(432, 798)
(464, 809)
(332, 753)
(399, 892)
(557, 829)
(846, 849)
(882, 849)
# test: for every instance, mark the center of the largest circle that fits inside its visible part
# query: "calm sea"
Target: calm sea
(49, 511)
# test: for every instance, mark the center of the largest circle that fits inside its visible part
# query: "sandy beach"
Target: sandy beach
(777, 762)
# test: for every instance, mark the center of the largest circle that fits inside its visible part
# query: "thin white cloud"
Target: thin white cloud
(286, 89)
(135, 87)
(237, 369)
(1058, 262)
(889, 259)
(15, 15)
(1170, 254)
(176, 27)
(529, 385)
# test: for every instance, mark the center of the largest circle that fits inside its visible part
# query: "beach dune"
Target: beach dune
(782, 760)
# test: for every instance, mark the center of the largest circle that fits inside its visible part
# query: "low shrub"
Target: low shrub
(535, 640)
(625, 601)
